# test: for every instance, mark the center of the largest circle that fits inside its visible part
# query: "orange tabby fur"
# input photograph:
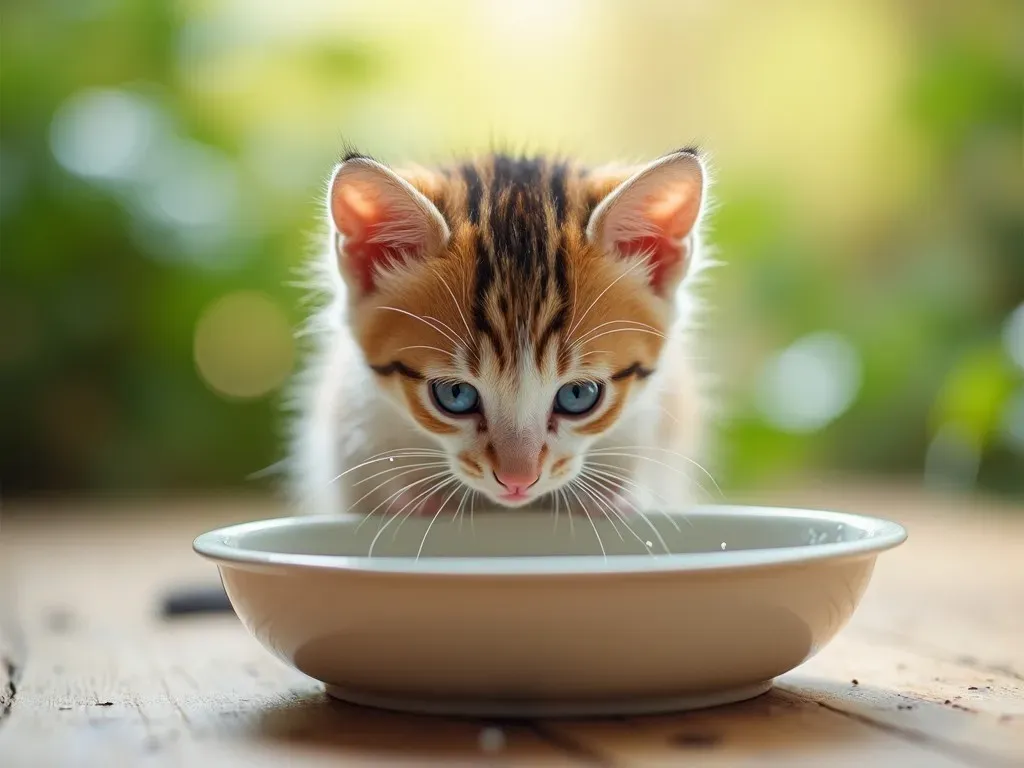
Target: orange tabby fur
(518, 275)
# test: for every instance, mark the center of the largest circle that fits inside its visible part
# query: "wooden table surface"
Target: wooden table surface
(930, 671)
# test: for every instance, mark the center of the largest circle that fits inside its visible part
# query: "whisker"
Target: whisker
(636, 508)
(617, 330)
(422, 499)
(638, 486)
(598, 493)
(568, 512)
(472, 508)
(408, 453)
(663, 450)
(277, 466)
(676, 470)
(604, 486)
(422, 495)
(575, 325)
(574, 293)
(458, 307)
(449, 328)
(452, 355)
(434, 519)
(408, 467)
(458, 509)
(454, 339)
(381, 485)
(686, 476)
(586, 488)
(669, 413)
(638, 326)
(624, 320)
(583, 506)
(416, 455)
(417, 505)
(396, 451)
(398, 493)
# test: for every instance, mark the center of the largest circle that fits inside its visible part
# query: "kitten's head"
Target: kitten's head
(514, 308)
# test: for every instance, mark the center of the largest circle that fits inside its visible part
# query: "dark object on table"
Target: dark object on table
(187, 601)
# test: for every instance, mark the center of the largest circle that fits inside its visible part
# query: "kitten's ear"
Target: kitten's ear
(652, 214)
(382, 219)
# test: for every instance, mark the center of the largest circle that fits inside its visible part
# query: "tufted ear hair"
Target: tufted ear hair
(382, 220)
(651, 215)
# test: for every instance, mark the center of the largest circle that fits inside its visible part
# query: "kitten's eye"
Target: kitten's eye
(456, 397)
(577, 398)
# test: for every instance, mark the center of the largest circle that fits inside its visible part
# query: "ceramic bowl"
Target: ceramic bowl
(522, 614)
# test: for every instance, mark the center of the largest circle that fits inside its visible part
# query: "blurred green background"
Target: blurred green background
(161, 165)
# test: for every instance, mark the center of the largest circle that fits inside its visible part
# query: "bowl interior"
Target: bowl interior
(704, 530)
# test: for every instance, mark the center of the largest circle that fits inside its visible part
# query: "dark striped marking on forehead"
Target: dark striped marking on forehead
(520, 211)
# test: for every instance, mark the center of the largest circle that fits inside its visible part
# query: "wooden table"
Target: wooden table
(930, 672)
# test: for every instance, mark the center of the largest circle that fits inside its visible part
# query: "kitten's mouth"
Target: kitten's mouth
(519, 497)
(515, 491)
(515, 496)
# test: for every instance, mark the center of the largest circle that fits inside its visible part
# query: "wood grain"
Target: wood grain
(10, 666)
(934, 651)
(11, 649)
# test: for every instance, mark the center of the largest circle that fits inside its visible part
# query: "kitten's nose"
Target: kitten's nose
(517, 482)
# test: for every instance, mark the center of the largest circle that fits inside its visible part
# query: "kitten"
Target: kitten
(502, 332)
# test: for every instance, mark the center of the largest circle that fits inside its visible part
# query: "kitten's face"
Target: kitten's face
(514, 309)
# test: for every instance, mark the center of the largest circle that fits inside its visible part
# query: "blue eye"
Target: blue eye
(577, 398)
(456, 397)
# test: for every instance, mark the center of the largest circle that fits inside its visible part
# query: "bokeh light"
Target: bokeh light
(243, 345)
(952, 459)
(1013, 422)
(809, 384)
(190, 206)
(194, 186)
(104, 134)
(1013, 336)
(156, 157)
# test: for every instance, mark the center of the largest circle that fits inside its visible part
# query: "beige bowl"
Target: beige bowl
(519, 614)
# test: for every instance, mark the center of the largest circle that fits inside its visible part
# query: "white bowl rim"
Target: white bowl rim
(221, 546)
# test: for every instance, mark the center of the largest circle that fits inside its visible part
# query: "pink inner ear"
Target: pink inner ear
(669, 218)
(650, 217)
(663, 254)
(359, 219)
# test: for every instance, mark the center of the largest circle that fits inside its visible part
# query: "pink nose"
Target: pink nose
(516, 482)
